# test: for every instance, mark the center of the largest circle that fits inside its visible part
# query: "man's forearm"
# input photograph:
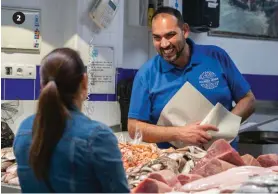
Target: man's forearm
(245, 107)
(151, 133)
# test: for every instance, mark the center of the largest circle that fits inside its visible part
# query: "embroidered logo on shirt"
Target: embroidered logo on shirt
(208, 80)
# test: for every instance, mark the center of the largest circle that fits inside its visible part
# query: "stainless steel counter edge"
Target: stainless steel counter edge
(5, 188)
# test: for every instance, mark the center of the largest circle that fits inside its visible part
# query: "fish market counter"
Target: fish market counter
(219, 169)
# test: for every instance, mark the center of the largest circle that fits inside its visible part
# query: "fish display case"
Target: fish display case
(9, 178)
(188, 169)
(6, 188)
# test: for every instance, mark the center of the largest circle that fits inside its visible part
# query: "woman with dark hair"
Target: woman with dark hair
(59, 149)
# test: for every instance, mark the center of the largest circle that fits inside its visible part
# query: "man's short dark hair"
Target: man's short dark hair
(171, 11)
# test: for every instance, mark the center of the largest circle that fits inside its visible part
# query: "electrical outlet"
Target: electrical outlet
(7, 70)
(30, 71)
(18, 71)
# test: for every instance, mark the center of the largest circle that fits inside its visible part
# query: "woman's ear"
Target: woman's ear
(84, 85)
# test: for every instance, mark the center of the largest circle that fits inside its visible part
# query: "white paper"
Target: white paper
(101, 70)
(227, 123)
(188, 105)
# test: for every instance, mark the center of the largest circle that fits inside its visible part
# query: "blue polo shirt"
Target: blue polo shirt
(210, 70)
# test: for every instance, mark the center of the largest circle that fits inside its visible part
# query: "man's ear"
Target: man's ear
(186, 30)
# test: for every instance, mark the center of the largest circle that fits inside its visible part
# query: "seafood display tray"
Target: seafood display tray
(6, 188)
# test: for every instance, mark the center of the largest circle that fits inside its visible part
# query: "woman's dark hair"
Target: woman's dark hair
(171, 11)
(61, 74)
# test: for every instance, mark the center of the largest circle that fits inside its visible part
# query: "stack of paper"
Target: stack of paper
(188, 105)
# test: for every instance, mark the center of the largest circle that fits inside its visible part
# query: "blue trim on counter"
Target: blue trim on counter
(264, 87)
(2, 89)
(102, 97)
(19, 89)
(37, 83)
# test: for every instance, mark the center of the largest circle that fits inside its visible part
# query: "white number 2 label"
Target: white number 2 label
(18, 18)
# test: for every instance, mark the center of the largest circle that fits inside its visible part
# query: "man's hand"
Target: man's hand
(194, 133)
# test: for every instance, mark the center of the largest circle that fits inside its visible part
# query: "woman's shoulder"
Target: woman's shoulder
(26, 124)
(101, 128)
(102, 133)
(90, 128)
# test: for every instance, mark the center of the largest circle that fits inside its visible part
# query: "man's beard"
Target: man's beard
(175, 57)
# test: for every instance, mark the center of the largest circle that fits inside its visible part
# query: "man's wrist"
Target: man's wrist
(174, 133)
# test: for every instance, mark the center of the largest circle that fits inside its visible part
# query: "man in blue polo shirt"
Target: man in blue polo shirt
(208, 68)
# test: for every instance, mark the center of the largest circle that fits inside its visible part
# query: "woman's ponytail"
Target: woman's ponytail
(48, 128)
